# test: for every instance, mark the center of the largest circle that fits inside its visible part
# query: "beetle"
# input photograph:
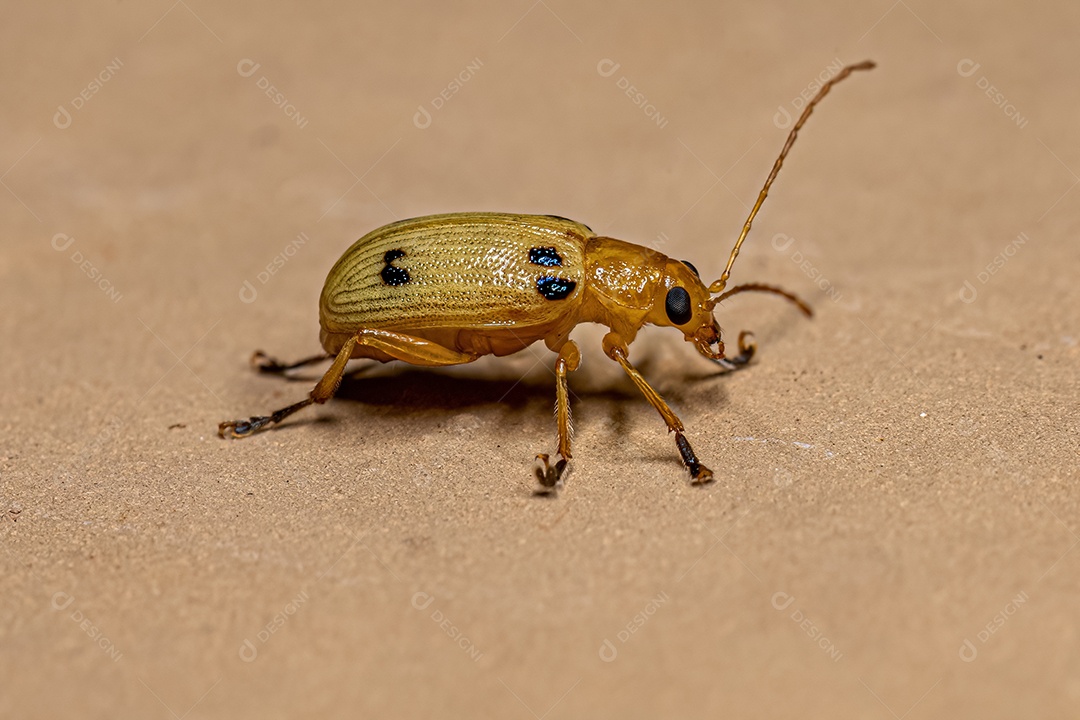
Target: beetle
(447, 289)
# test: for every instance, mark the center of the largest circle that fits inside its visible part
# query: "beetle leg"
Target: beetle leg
(264, 363)
(746, 352)
(616, 350)
(411, 349)
(414, 350)
(568, 361)
(322, 392)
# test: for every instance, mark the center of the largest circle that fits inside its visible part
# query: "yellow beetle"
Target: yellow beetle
(448, 289)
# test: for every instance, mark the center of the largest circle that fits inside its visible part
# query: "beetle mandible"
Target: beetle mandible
(518, 279)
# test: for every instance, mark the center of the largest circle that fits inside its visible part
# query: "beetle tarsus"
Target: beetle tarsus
(266, 364)
(242, 428)
(547, 474)
(247, 428)
(747, 348)
(700, 474)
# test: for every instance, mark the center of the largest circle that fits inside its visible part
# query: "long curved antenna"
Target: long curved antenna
(720, 284)
(762, 287)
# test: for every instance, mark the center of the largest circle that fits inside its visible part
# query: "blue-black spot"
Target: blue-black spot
(554, 288)
(546, 256)
(390, 274)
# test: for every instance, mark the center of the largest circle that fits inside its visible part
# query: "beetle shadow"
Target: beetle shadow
(428, 395)
(410, 390)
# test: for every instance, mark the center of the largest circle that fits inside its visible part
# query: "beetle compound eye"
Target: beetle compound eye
(690, 265)
(677, 306)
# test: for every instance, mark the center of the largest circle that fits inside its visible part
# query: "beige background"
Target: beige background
(895, 476)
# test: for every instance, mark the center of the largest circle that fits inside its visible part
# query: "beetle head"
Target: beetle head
(684, 302)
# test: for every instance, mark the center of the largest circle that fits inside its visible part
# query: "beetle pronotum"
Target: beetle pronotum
(447, 289)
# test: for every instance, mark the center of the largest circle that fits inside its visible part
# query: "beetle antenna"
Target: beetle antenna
(761, 287)
(720, 284)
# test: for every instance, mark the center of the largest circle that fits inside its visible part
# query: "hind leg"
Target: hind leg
(264, 363)
(399, 346)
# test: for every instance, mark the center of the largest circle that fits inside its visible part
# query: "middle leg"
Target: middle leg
(568, 360)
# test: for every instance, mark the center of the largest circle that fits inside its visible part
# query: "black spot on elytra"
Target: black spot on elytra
(390, 274)
(546, 256)
(554, 288)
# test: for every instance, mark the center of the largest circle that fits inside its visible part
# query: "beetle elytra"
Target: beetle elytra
(447, 289)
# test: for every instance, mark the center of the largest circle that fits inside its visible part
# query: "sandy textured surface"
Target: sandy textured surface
(894, 529)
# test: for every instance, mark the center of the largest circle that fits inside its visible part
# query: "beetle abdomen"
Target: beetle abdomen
(462, 270)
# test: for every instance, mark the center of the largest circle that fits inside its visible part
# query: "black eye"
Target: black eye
(677, 306)
(690, 265)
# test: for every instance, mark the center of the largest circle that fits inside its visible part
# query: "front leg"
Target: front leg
(616, 349)
(747, 348)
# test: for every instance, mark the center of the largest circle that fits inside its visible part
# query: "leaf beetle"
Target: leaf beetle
(447, 289)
